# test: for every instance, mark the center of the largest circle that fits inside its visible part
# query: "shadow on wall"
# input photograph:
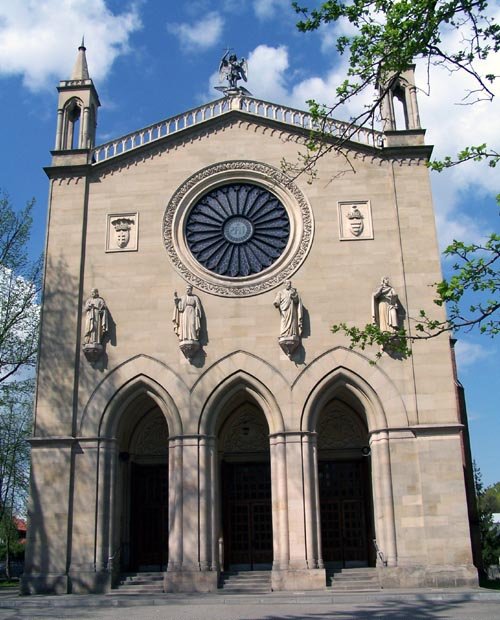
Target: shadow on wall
(50, 529)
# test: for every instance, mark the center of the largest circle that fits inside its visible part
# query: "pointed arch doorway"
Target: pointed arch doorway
(143, 480)
(245, 482)
(344, 477)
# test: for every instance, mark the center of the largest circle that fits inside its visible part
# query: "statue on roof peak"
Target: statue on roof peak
(232, 70)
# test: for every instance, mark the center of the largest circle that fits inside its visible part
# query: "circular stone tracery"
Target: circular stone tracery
(237, 230)
(221, 174)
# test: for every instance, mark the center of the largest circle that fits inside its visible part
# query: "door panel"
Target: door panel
(247, 515)
(343, 508)
(149, 516)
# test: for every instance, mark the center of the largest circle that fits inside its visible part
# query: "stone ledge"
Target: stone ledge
(190, 581)
(46, 583)
(428, 576)
(301, 579)
(90, 582)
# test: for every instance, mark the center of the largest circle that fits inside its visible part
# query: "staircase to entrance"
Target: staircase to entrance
(140, 583)
(245, 582)
(353, 580)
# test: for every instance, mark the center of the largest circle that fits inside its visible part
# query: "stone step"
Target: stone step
(140, 583)
(138, 580)
(369, 570)
(361, 577)
(245, 578)
(353, 580)
(246, 582)
(136, 590)
(355, 588)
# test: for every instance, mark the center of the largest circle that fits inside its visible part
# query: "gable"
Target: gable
(289, 122)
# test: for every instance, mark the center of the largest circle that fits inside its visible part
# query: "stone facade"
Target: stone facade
(239, 455)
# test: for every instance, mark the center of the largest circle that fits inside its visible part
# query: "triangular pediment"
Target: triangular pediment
(226, 111)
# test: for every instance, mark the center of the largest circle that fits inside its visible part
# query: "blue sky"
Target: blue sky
(152, 59)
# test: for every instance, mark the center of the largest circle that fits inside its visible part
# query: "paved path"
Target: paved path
(390, 605)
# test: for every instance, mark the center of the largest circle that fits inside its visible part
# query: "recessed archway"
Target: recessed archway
(245, 487)
(365, 400)
(344, 481)
(142, 480)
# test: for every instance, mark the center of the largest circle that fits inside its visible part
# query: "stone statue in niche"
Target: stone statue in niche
(355, 218)
(291, 310)
(122, 226)
(96, 325)
(385, 307)
(187, 321)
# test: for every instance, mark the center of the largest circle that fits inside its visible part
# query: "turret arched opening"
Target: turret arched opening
(72, 127)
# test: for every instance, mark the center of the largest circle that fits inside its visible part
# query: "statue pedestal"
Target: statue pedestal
(189, 347)
(289, 344)
(93, 351)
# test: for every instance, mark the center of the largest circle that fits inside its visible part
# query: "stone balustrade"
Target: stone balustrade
(262, 109)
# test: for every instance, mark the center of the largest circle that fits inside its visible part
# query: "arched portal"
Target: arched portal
(344, 480)
(245, 488)
(143, 486)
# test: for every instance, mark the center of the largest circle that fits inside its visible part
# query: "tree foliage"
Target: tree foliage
(471, 297)
(491, 498)
(386, 38)
(389, 35)
(20, 281)
(16, 405)
(489, 532)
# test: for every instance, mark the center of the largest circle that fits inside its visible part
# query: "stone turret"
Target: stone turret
(401, 88)
(77, 110)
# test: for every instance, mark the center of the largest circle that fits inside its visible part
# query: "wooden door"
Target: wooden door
(149, 517)
(247, 516)
(343, 507)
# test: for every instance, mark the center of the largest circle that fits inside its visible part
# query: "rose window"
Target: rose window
(237, 230)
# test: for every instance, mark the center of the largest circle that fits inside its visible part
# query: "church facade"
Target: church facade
(195, 414)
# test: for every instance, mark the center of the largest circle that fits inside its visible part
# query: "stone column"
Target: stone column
(298, 568)
(47, 554)
(214, 500)
(207, 505)
(174, 503)
(84, 142)
(59, 130)
(312, 507)
(279, 501)
(413, 105)
(383, 503)
(193, 574)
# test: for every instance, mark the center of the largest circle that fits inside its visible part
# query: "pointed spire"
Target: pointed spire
(81, 70)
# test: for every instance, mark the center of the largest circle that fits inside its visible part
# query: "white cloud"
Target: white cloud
(269, 79)
(39, 39)
(266, 9)
(329, 33)
(468, 353)
(267, 73)
(451, 126)
(458, 191)
(200, 35)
